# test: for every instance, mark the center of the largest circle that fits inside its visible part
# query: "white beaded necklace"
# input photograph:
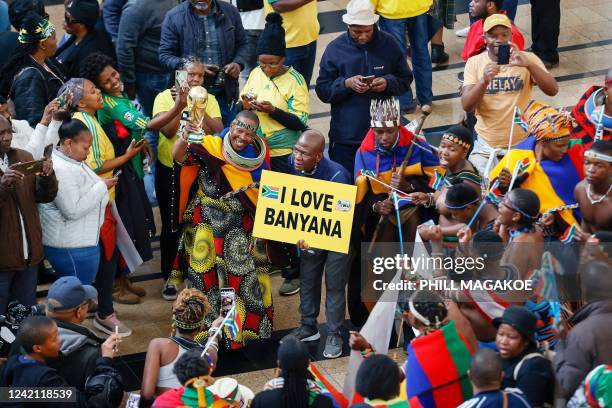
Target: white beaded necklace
(600, 199)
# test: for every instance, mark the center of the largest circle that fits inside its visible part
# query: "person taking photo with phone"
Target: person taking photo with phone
(85, 100)
(494, 86)
(20, 234)
(192, 73)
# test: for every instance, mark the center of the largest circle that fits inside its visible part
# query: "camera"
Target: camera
(10, 323)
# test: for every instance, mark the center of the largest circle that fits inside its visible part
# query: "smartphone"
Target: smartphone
(180, 79)
(31, 167)
(503, 54)
(63, 99)
(228, 298)
(368, 79)
(48, 151)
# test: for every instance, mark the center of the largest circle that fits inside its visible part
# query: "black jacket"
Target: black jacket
(535, 377)
(33, 88)
(138, 38)
(587, 345)
(8, 45)
(344, 58)
(20, 371)
(94, 41)
(79, 350)
(183, 33)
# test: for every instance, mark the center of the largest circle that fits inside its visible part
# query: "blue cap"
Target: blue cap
(68, 292)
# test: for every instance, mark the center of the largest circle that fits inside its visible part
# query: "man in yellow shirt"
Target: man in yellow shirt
(397, 17)
(301, 32)
(492, 90)
(212, 124)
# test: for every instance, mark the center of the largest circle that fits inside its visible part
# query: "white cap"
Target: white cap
(360, 12)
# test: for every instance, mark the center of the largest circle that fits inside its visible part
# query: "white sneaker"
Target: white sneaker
(109, 323)
(463, 32)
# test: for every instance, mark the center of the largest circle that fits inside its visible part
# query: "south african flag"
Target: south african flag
(269, 192)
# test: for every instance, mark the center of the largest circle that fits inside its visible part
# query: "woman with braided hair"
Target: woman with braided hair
(188, 313)
(438, 358)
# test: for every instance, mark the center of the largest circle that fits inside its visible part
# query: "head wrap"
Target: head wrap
(598, 386)
(596, 155)
(73, 91)
(84, 11)
(272, 38)
(459, 135)
(546, 123)
(34, 29)
(384, 113)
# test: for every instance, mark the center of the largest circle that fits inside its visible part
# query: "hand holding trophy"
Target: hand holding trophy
(197, 99)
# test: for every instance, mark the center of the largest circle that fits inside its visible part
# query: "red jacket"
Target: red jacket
(474, 43)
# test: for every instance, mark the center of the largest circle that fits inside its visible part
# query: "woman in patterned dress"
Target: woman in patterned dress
(217, 248)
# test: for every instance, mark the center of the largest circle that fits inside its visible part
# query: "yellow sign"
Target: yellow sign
(292, 208)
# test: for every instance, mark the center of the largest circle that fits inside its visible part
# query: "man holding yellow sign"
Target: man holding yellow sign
(314, 209)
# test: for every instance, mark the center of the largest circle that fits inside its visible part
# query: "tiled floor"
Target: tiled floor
(586, 52)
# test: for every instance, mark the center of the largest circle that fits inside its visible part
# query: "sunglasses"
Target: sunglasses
(69, 20)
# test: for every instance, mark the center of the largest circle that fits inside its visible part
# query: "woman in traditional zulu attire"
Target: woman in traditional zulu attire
(216, 248)
(543, 164)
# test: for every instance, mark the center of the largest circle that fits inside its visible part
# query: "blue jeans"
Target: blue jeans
(302, 59)
(79, 262)
(509, 6)
(18, 285)
(418, 30)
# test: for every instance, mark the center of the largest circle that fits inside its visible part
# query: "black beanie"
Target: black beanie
(272, 39)
(85, 11)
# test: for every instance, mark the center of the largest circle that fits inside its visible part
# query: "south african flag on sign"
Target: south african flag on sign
(269, 192)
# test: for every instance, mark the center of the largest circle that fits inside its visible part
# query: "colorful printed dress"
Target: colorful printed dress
(217, 248)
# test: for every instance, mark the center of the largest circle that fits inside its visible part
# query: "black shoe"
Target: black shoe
(304, 333)
(438, 56)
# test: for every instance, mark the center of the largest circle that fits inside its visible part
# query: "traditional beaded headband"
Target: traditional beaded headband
(594, 155)
(454, 139)
(238, 123)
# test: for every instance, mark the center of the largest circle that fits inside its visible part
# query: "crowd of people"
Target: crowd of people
(181, 105)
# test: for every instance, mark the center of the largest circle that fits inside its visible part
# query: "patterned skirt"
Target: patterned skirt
(217, 250)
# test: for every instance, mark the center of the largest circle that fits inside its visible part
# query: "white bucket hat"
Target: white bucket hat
(360, 12)
(228, 389)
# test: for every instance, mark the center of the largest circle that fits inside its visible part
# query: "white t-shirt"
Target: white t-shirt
(251, 20)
